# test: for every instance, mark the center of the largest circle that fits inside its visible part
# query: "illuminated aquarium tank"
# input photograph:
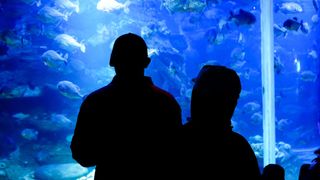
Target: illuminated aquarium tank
(54, 52)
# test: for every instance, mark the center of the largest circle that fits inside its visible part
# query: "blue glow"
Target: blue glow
(54, 52)
(298, 65)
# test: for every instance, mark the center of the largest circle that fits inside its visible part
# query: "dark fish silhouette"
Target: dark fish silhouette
(242, 17)
(292, 24)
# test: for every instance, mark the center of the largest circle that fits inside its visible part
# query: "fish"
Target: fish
(29, 134)
(60, 121)
(51, 15)
(69, 43)
(282, 124)
(214, 36)
(315, 19)
(279, 31)
(21, 116)
(308, 76)
(313, 54)
(278, 65)
(238, 64)
(11, 39)
(32, 2)
(251, 107)
(305, 28)
(289, 8)
(256, 138)
(184, 6)
(69, 5)
(69, 89)
(52, 59)
(256, 118)
(238, 54)
(292, 24)
(242, 17)
(112, 5)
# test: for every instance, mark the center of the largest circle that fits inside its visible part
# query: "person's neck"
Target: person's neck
(129, 79)
(129, 73)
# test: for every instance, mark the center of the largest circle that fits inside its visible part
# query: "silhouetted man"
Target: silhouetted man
(212, 149)
(126, 129)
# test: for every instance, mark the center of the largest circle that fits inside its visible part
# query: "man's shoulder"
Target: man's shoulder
(239, 140)
(98, 93)
(237, 137)
(162, 92)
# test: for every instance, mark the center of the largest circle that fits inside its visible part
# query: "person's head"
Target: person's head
(304, 173)
(129, 54)
(317, 152)
(273, 172)
(214, 96)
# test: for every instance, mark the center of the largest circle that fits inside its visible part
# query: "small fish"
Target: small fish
(13, 40)
(69, 89)
(60, 121)
(184, 6)
(278, 65)
(49, 14)
(313, 54)
(289, 8)
(308, 76)
(251, 107)
(238, 64)
(292, 24)
(21, 116)
(315, 19)
(54, 60)
(256, 118)
(29, 134)
(256, 138)
(32, 2)
(69, 43)
(238, 54)
(112, 5)
(242, 17)
(245, 93)
(279, 31)
(282, 124)
(305, 28)
(69, 5)
(214, 36)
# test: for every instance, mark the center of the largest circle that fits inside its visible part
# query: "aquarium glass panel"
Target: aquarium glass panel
(55, 52)
(297, 65)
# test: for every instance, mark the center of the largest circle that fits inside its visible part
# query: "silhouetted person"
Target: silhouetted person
(126, 128)
(311, 171)
(315, 166)
(304, 172)
(273, 172)
(212, 150)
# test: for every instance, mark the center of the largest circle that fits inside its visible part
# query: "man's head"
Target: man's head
(129, 50)
(215, 95)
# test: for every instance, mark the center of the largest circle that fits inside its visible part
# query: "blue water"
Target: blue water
(37, 120)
